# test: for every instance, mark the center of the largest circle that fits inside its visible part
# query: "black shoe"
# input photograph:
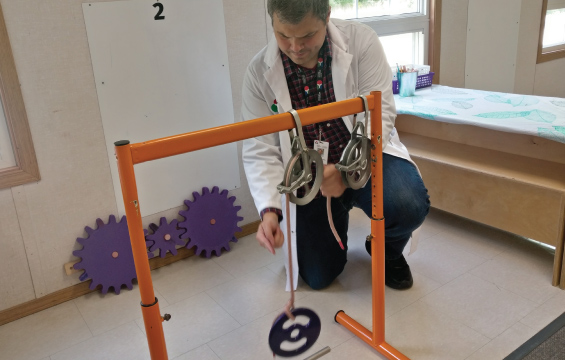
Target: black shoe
(397, 272)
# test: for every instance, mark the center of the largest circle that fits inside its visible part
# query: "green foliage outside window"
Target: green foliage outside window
(343, 3)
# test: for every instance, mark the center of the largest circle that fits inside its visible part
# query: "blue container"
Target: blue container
(407, 83)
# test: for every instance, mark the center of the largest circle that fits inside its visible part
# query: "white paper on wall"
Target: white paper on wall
(161, 69)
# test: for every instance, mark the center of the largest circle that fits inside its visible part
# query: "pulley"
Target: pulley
(298, 172)
(354, 162)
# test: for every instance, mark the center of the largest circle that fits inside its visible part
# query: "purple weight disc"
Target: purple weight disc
(279, 334)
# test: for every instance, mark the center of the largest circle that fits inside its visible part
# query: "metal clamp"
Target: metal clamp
(298, 172)
(353, 165)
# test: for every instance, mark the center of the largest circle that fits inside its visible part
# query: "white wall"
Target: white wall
(453, 42)
(492, 45)
(39, 222)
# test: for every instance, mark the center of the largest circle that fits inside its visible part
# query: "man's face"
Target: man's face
(301, 42)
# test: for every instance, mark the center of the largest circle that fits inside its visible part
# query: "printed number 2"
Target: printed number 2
(161, 7)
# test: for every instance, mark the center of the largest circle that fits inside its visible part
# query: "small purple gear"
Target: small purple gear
(211, 221)
(165, 237)
(106, 256)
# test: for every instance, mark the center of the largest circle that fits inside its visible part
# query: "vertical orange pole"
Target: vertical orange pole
(149, 304)
(376, 338)
(377, 223)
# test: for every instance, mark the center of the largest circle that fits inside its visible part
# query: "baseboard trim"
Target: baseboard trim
(75, 291)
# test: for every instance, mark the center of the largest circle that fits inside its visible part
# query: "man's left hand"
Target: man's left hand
(332, 185)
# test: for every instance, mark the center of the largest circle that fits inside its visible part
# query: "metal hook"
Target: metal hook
(298, 129)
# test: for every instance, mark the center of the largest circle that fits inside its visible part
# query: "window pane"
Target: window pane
(405, 48)
(351, 9)
(343, 9)
(7, 158)
(554, 30)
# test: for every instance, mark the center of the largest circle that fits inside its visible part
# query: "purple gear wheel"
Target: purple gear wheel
(211, 221)
(165, 237)
(106, 256)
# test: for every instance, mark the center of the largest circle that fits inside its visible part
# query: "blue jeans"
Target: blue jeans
(405, 205)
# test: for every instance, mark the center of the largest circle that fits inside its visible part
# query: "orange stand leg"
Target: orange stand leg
(149, 303)
(376, 339)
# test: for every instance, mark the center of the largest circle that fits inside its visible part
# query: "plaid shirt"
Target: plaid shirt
(333, 131)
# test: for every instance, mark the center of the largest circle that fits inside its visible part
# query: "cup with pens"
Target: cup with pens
(407, 78)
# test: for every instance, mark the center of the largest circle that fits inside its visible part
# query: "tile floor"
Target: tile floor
(478, 294)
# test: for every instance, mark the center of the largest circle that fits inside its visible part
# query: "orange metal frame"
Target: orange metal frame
(130, 154)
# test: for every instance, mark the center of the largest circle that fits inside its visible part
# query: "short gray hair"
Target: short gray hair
(293, 11)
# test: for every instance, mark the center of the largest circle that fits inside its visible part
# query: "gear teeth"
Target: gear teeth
(206, 237)
(188, 204)
(234, 239)
(157, 241)
(107, 238)
(77, 265)
(99, 223)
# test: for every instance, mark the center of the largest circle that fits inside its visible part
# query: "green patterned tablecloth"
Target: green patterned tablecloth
(525, 114)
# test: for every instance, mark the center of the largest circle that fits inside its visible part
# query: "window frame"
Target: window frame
(26, 169)
(429, 24)
(550, 53)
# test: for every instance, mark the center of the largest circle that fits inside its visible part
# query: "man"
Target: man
(313, 60)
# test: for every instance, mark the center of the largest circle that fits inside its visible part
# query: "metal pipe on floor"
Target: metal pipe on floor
(319, 354)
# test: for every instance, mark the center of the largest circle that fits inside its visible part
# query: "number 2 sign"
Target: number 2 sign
(161, 8)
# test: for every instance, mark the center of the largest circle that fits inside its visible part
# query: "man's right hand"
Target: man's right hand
(269, 234)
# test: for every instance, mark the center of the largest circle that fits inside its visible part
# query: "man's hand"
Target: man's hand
(269, 234)
(332, 185)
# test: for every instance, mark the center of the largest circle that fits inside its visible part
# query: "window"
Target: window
(18, 164)
(402, 25)
(551, 44)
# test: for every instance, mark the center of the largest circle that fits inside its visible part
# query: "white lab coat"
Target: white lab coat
(359, 66)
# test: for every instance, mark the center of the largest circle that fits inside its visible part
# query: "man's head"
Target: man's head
(300, 28)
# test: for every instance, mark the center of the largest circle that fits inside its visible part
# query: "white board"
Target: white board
(157, 78)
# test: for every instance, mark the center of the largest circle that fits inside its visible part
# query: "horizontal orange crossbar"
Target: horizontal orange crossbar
(197, 140)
